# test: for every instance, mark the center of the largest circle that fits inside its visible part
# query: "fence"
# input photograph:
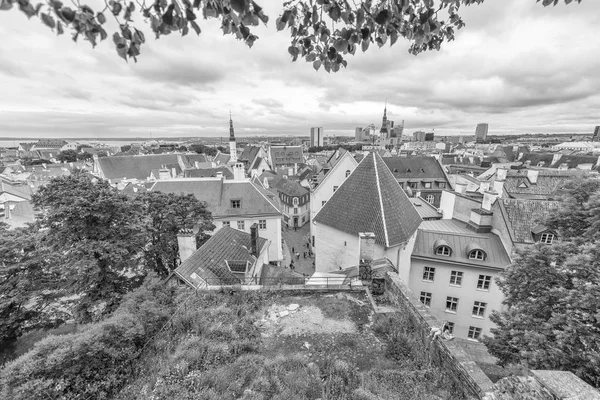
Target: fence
(329, 282)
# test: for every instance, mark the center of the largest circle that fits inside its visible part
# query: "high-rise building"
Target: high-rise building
(596, 137)
(419, 136)
(481, 132)
(316, 136)
(358, 134)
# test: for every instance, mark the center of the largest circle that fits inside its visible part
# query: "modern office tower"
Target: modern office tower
(481, 132)
(316, 136)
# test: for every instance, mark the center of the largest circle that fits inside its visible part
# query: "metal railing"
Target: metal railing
(283, 281)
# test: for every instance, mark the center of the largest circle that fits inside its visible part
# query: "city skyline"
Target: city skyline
(531, 74)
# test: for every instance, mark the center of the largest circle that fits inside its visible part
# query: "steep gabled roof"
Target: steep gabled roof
(222, 158)
(285, 155)
(209, 261)
(415, 167)
(371, 200)
(208, 172)
(523, 215)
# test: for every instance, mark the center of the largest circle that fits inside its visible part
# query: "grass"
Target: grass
(215, 349)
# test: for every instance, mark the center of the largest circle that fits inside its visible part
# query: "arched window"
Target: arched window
(442, 248)
(295, 201)
(477, 255)
(443, 251)
(348, 173)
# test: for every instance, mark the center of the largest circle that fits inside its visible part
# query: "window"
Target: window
(226, 223)
(236, 203)
(295, 201)
(451, 304)
(347, 173)
(483, 283)
(474, 333)
(323, 203)
(335, 188)
(413, 185)
(547, 238)
(479, 309)
(441, 185)
(425, 298)
(240, 225)
(477, 255)
(430, 198)
(456, 278)
(450, 326)
(295, 210)
(443, 251)
(428, 273)
(262, 224)
(427, 185)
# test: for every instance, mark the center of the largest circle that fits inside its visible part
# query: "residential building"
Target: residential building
(16, 208)
(316, 136)
(596, 136)
(369, 200)
(229, 257)
(294, 199)
(235, 203)
(425, 209)
(285, 158)
(118, 168)
(481, 132)
(533, 184)
(255, 160)
(323, 185)
(423, 175)
(454, 269)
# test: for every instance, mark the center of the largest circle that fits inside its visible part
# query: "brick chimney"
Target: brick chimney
(480, 220)
(254, 239)
(483, 186)
(498, 188)
(187, 243)
(488, 200)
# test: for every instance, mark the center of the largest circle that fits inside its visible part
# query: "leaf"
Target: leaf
(185, 30)
(101, 18)
(103, 34)
(67, 14)
(360, 18)
(365, 45)
(189, 14)
(393, 38)
(5, 5)
(48, 20)
(317, 65)
(383, 17)
(238, 5)
(195, 27)
(311, 57)
(122, 51)
(59, 29)
(335, 12)
(117, 7)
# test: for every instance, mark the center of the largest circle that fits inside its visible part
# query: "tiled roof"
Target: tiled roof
(218, 193)
(425, 209)
(291, 188)
(517, 185)
(522, 216)
(336, 156)
(256, 163)
(414, 167)
(22, 191)
(208, 262)
(50, 143)
(139, 167)
(222, 158)
(249, 153)
(208, 172)
(282, 155)
(371, 200)
(460, 239)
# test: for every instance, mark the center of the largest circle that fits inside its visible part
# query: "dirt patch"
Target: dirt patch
(289, 320)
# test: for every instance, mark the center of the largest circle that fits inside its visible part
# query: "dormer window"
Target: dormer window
(547, 238)
(476, 255)
(421, 170)
(442, 248)
(408, 170)
(295, 201)
(347, 173)
(236, 204)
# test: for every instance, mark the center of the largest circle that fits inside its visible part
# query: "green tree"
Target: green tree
(85, 156)
(99, 232)
(67, 156)
(322, 32)
(165, 215)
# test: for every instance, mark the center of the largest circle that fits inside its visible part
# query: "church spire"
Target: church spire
(231, 135)
(384, 122)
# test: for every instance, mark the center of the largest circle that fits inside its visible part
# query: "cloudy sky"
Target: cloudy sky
(517, 65)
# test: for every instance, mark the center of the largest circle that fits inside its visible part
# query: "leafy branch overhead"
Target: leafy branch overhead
(322, 32)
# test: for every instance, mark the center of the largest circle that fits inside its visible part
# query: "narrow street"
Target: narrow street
(296, 241)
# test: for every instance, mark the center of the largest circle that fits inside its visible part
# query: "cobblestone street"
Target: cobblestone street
(297, 241)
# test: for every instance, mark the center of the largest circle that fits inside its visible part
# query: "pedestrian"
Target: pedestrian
(294, 228)
(298, 256)
(305, 255)
(293, 250)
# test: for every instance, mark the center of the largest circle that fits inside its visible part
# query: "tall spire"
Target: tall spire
(231, 135)
(384, 122)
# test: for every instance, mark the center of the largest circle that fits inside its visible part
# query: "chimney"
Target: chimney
(220, 174)
(238, 171)
(499, 187)
(488, 200)
(254, 239)
(480, 220)
(501, 174)
(164, 173)
(187, 244)
(555, 158)
(483, 186)
(197, 164)
(460, 187)
(532, 175)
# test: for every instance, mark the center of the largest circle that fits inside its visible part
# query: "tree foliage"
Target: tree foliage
(67, 156)
(323, 32)
(552, 294)
(95, 245)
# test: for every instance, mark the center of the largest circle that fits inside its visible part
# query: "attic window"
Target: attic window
(477, 255)
(547, 238)
(408, 170)
(395, 170)
(237, 266)
(348, 173)
(421, 170)
(236, 204)
(522, 184)
(443, 251)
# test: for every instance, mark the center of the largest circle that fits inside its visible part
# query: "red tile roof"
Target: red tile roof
(371, 200)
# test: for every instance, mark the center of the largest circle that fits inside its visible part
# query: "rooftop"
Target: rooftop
(139, 167)
(523, 215)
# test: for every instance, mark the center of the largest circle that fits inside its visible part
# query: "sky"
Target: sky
(516, 65)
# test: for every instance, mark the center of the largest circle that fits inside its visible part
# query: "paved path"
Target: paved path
(298, 240)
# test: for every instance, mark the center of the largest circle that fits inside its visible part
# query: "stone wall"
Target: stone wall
(539, 385)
